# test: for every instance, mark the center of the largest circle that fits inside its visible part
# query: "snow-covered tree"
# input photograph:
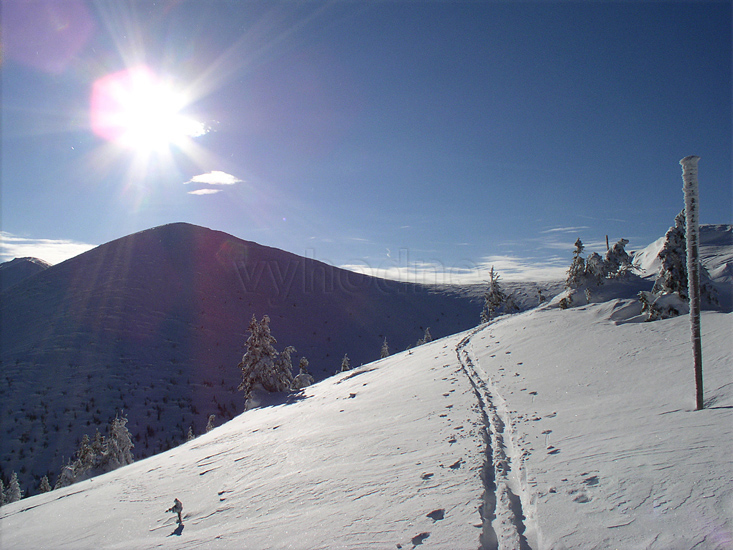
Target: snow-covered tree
(494, 298)
(14, 492)
(44, 486)
(345, 363)
(595, 269)
(669, 295)
(576, 271)
(210, 424)
(427, 337)
(2, 492)
(189, 435)
(385, 349)
(303, 379)
(617, 261)
(118, 448)
(260, 365)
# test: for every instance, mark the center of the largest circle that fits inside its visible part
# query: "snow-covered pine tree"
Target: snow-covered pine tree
(2, 492)
(494, 298)
(385, 349)
(303, 379)
(345, 363)
(258, 364)
(13, 493)
(427, 337)
(617, 261)
(595, 269)
(118, 445)
(189, 435)
(576, 271)
(283, 375)
(44, 486)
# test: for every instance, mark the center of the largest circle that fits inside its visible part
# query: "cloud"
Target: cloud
(215, 177)
(204, 191)
(511, 268)
(53, 251)
(565, 229)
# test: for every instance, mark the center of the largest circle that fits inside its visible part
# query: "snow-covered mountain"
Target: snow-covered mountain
(155, 323)
(16, 270)
(549, 429)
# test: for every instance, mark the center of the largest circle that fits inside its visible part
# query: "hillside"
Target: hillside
(14, 271)
(155, 323)
(548, 429)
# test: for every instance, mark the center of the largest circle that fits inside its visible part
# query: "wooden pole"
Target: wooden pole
(692, 237)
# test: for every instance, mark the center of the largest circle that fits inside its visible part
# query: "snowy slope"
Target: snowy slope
(14, 271)
(591, 443)
(154, 324)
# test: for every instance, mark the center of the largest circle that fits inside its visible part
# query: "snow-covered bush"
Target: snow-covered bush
(261, 364)
(303, 379)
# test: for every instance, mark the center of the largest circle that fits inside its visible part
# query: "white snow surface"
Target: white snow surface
(582, 427)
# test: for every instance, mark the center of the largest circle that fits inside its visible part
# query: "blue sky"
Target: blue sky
(420, 136)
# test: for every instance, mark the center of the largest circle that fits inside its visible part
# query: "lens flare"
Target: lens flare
(138, 110)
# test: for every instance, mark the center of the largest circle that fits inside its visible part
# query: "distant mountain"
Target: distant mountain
(154, 324)
(16, 270)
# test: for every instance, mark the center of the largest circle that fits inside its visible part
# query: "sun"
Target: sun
(138, 110)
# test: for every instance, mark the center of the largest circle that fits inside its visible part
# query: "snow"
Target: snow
(568, 429)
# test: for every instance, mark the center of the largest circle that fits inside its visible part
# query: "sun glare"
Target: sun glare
(138, 110)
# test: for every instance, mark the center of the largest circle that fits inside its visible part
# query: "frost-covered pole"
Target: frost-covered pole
(692, 236)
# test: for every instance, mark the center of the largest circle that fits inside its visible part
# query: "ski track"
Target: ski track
(505, 497)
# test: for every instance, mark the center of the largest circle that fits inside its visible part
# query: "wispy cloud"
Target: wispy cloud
(565, 229)
(53, 251)
(215, 177)
(510, 268)
(204, 191)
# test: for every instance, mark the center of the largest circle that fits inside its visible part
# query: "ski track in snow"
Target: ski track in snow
(502, 512)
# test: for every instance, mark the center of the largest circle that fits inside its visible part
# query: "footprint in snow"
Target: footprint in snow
(437, 515)
(418, 539)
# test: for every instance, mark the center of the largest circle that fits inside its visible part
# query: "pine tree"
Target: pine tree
(118, 445)
(2, 492)
(494, 298)
(577, 267)
(345, 363)
(595, 268)
(44, 486)
(385, 350)
(260, 363)
(617, 261)
(189, 435)
(14, 493)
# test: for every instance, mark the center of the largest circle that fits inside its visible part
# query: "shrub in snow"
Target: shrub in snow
(303, 379)
(261, 364)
